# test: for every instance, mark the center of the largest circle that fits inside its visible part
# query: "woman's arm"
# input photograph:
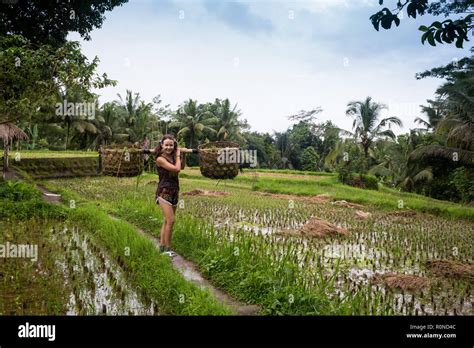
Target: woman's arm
(163, 163)
(185, 150)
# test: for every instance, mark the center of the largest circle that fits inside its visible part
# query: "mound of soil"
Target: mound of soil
(319, 228)
(403, 213)
(402, 281)
(321, 198)
(347, 204)
(451, 269)
(206, 193)
(363, 215)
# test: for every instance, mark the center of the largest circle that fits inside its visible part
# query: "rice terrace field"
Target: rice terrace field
(175, 169)
(274, 242)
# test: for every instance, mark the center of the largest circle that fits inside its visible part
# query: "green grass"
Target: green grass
(51, 154)
(26, 219)
(29, 287)
(386, 198)
(269, 271)
(289, 171)
(266, 270)
(57, 166)
(279, 171)
(251, 276)
(148, 270)
(248, 276)
(20, 200)
(25, 216)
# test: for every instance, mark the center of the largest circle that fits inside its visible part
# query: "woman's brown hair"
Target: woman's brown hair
(159, 147)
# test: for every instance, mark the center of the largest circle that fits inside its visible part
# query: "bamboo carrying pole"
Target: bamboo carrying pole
(112, 160)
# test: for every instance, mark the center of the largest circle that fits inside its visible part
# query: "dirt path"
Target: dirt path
(188, 269)
(50, 197)
(191, 273)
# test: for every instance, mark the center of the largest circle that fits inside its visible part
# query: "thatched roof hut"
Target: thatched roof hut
(10, 133)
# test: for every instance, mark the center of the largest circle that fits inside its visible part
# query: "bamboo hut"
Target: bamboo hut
(9, 133)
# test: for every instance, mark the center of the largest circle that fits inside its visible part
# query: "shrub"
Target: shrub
(36, 207)
(310, 159)
(369, 182)
(18, 191)
(365, 181)
(463, 179)
(21, 200)
(344, 174)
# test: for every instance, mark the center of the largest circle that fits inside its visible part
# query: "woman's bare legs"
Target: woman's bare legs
(168, 221)
(162, 233)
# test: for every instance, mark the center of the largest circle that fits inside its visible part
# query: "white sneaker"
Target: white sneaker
(170, 253)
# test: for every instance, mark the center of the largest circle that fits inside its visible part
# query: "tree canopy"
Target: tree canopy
(447, 31)
(49, 22)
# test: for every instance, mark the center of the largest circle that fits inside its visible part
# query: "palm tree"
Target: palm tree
(32, 132)
(282, 143)
(108, 123)
(434, 112)
(136, 115)
(392, 158)
(129, 106)
(366, 123)
(142, 122)
(85, 130)
(80, 123)
(193, 122)
(228, 126)
(457, 127)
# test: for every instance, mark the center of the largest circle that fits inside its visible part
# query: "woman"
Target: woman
(168, 162)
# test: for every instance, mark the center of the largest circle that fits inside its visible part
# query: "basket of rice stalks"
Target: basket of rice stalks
(219, 160)
(121, 160)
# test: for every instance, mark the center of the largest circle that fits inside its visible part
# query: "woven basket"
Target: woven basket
(121, 160)
(209, 164)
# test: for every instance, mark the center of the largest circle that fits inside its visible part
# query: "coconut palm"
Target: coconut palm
(108, 124)
(434, 112)
(142, 122)
(228, 126)
(457, 127)
(129, 106)
(136, 115)
(367, 127)
(32, 132)
(283, 144)
(79, 123)
(193, 122)
(392, 158)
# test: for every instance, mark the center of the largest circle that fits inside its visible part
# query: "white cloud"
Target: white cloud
(276, 76)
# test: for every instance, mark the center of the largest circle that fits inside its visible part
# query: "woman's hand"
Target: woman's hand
(178, 152)
(163, 163)
(185, 150)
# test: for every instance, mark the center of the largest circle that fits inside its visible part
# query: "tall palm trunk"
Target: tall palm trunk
(5, 158)
(68, 122)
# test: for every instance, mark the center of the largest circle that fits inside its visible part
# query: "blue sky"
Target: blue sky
(271, 57)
